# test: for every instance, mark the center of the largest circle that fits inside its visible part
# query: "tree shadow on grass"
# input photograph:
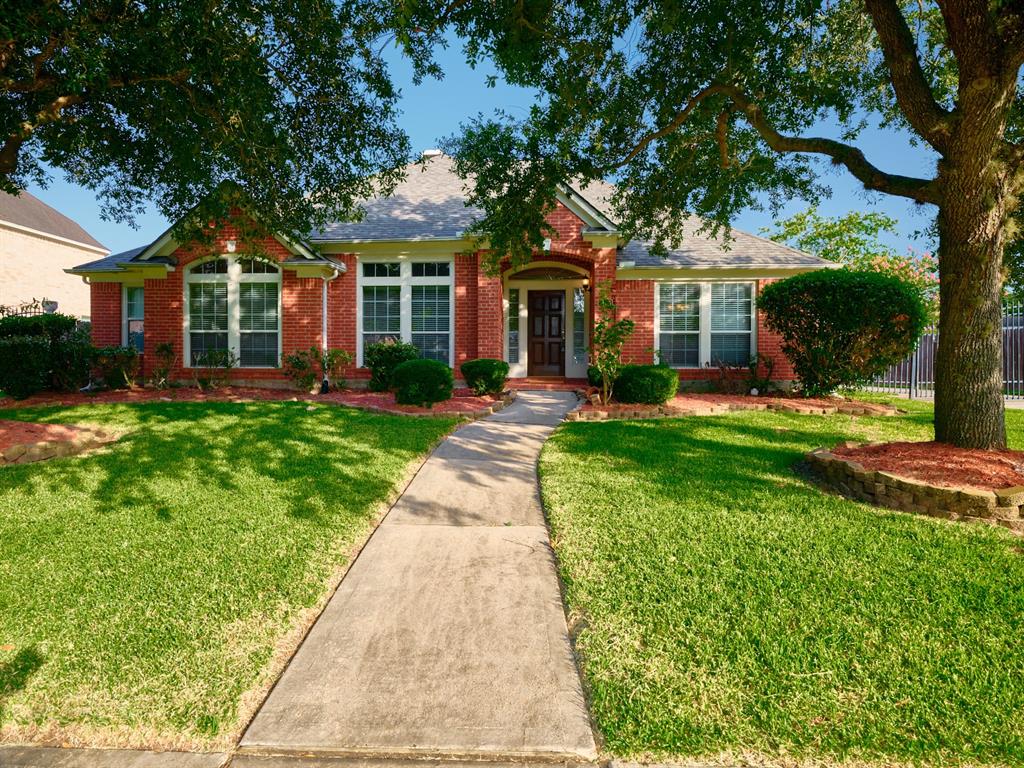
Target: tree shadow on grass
(15, 673)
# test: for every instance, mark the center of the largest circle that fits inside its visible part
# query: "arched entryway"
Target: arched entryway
(546, 313)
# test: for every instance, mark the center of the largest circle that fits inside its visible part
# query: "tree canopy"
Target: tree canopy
(288, 104)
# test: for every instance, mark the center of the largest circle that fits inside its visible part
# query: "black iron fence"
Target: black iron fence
(915, 376)
(29, 308)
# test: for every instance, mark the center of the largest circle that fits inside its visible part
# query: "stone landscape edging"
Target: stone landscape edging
(507, 398)
(850, 478)
(86, 439)
(703, 408)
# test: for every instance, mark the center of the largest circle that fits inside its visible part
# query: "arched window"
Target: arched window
(234, 304)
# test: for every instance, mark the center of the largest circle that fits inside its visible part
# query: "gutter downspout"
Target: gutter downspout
(325, 385)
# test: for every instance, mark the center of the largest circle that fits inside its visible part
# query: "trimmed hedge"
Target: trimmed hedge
(26, 367)
(841, 327)
(485, 376)
(43, 352)
(649, 384)
(383, 358)
(117, 367)
(422, 382)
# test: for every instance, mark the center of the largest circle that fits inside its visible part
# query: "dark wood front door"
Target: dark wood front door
(546, 333)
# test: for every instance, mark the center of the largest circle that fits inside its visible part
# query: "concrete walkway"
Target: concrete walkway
(447, 636)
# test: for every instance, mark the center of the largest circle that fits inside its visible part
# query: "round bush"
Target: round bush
(485, 376)
(840, 327)
(422, 382)
(593, 376)
(650, 384)
(382, 358)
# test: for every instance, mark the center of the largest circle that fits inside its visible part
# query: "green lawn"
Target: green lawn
(148, 591)
(725, 605)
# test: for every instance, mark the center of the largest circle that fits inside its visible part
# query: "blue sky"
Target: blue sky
(435, 109)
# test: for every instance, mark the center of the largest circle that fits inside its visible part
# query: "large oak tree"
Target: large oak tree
(708, 107)
(288, 104)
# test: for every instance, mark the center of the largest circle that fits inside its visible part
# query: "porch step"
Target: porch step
(547, 384)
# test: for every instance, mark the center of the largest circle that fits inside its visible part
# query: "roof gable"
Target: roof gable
(27, 211)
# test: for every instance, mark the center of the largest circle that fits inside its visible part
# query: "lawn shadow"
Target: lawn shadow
(15, 673)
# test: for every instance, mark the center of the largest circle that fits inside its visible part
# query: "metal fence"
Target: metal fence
(915, 376)
(29, 308)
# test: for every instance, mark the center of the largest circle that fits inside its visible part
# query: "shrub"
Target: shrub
(308, 367)
(382, 358)
(116, 367)
(840, 328)
(593, 376)
(53, 326)
(71, 357)
(652, 384)
(485, 376)
(300, 368)
(213, 368)
(26, 367)
(165, 358)
(422, 382)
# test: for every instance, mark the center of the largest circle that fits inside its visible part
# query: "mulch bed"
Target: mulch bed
(706, 404)
(23, 442)
(463, 402)
(940, 464)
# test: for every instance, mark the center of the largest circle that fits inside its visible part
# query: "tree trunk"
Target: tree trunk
(969, 360)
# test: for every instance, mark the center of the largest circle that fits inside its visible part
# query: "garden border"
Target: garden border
(849, 478)
(85, 439)
(696, 407)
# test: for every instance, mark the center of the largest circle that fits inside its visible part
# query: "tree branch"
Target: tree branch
(913, 91)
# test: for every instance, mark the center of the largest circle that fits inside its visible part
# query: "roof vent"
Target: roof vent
(428, 153)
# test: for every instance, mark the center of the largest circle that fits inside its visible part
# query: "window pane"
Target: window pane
(257, 267)
(513, 325)
(212, 267)
(433, 346)
(730, 348)
(680, 350)
(258, 349)
(208, 306)
(257, 304)
(679, 307)
(730, 307)
(133, 298)
(382, 309)
(384, 269)
(200, 343)
(579, 351)
(430, 308)
(376, 338)
(431, 269)
(135, 334)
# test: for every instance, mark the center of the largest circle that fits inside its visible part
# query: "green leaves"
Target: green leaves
(290, 103)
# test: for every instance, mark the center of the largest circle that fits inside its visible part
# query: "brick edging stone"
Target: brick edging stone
(507, 398)
(885, 489)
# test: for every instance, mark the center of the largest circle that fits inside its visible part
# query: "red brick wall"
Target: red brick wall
(489, 325)
(106, 314)
(465, 308)
(769, 345)
(635, 300)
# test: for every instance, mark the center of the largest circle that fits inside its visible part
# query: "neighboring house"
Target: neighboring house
(407, 271)
(37, 246)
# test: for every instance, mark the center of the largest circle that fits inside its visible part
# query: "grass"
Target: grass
(725, 606)
(149, 592)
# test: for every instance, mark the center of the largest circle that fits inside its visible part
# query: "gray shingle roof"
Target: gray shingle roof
(111, 263)
(27, 210)
(429, 203)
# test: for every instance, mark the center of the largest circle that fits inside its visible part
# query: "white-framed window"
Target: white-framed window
(409, 301)
(133, 317)
(233, 304)
(700, 324)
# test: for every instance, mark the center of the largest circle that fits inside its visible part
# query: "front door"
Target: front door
(546, 320)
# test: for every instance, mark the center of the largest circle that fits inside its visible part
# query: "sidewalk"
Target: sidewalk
(447, 636)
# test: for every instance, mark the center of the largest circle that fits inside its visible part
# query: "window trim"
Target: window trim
(125, 336)
(405, 281)
(233, 278)
(704, 334)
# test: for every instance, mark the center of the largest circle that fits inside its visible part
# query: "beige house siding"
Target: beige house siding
(32, 266)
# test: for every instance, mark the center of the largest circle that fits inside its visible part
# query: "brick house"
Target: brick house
(407, 271)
